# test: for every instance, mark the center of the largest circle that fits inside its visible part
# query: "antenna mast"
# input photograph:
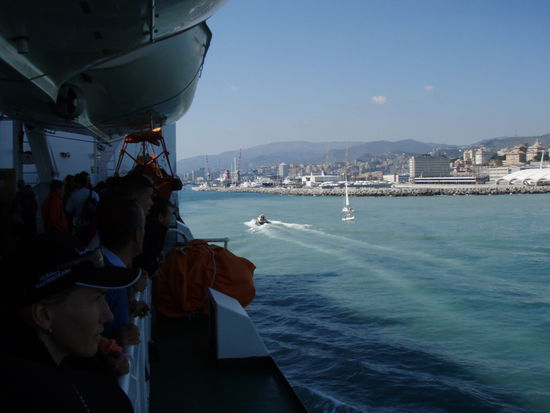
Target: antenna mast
(237, 173)
(207, 171)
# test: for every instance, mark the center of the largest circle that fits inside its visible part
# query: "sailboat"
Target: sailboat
(347, 209)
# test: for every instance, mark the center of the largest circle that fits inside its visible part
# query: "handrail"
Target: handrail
(225, 240)
(136, 382)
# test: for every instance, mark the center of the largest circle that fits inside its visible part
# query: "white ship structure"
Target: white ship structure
(76, 78)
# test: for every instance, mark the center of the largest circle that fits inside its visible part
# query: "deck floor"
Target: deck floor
(188, 378)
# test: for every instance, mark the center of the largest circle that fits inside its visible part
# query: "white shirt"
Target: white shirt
(76, 201)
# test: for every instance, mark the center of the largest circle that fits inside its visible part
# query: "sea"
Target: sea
(422, 304)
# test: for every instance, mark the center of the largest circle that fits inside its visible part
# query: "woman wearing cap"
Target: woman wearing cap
(56, 312)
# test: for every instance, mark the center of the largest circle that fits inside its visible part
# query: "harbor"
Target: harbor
(394, 191)
(422, 304)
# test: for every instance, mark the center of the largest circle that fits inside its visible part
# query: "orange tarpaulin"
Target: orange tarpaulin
(181, 284)
(163, 182)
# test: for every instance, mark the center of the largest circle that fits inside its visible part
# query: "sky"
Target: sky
(442, 71)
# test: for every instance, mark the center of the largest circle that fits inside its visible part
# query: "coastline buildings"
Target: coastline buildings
(283, 170)
(313, 180)
(477, 156)
(425, 166)
(534, 151)
(518, 155)
(471, 165)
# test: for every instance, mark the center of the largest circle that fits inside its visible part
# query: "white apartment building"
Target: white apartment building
(479, 156)
(313, 180)
(482, 156)
(534, 151)
(283, 170)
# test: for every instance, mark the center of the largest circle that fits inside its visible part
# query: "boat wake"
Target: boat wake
(339, 245)
(252, 227)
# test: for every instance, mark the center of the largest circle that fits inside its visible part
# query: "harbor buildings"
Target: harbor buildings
(477, 156)
(313, 180)
(518, 155)
(428, 166)
(534, 151)
(283, 170)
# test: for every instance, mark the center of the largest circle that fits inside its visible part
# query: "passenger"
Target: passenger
(53, 212)
(157, 225)
(25, 209)
(77, 207)
(121, 229)
(54, 312)
(136, 187)
(100, 187)
(69, 186)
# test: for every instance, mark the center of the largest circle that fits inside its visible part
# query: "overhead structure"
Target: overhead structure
(101, 68)
(148, 162)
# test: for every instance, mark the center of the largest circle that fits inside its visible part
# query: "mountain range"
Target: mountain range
(302, 152)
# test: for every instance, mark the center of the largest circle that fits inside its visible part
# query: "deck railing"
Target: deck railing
(136, 382)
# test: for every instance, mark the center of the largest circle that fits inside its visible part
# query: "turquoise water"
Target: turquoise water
(428, 304)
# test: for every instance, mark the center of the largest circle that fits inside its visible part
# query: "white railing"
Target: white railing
(183, 234)
(136, 382)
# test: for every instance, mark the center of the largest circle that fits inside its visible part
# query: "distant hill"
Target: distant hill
(305, 152)
(302, 152)
(498, 143)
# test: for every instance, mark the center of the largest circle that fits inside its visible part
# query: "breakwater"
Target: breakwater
(404, 190)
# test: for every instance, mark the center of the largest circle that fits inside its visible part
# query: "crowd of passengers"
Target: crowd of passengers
(70, 292)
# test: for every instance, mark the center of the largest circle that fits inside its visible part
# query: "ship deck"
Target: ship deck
(188, 377)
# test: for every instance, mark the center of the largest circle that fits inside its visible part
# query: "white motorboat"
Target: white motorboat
(261, 220)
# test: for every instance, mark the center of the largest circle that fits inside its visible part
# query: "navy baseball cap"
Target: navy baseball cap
(54, 262)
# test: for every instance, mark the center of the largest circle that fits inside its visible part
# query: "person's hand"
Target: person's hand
(115, 357)
(139, 309)
(119, 363)
(128, 335)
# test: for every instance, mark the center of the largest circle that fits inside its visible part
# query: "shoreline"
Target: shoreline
(402, 190)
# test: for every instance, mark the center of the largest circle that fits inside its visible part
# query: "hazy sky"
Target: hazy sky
(445, 71)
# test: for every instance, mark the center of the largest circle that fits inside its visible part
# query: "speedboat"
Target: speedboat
(261, 219)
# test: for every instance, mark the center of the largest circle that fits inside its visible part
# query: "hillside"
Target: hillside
(498, 143)
(304, 152)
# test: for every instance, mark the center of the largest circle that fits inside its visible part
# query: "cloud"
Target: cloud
(233, 88)
(429, 88)
(379, 100)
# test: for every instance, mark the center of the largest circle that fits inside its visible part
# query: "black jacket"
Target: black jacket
(31, 381)
(153, 243)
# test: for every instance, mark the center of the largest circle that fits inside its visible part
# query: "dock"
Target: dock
(396, 191)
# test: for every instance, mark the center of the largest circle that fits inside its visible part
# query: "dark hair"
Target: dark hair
(55, 185)
(160, 207)
(137, 182)
(128, 187)
(118, 221)
(81, 179)
(100, 187)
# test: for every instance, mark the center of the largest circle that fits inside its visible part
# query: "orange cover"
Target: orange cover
(181, 284)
